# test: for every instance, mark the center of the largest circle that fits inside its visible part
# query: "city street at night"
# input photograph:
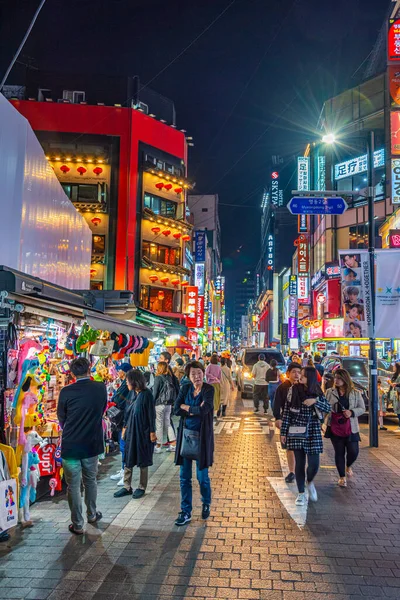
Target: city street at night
(256, 544)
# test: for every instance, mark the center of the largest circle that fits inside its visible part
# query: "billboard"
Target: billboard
(292, 327)
(200, 241)
(303, 173)
(395, 132)
(191, 306)
(356, 293)
(199, 277)
(303, 291)
(387, 303)
(393, 45)
(358, 165)
(200, 312)
(394, 85)
(303, 255)
(395, 180)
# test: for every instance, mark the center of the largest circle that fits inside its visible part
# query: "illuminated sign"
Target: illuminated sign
(275, 192)
(394, 238)
(292, 327)
(293, 285)
(395, 132)
(394, 85)
(292, 306)
(332, 328)
(270, 252)
(302, 223)
(395, 180)
(332, 270)
(275, 175)
(191, 306)
(303, 173)
(321, 298)
(318, 277)
(303, 255)
(199, 273)
(200, 246)
(302, 290)
(200, 312)
(316, 331)
(394, 40)
(321, 173)
(360, 164)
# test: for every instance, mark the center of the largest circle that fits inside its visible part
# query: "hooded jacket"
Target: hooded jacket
(259, 372)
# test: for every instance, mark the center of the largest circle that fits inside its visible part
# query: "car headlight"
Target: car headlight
(247, 375)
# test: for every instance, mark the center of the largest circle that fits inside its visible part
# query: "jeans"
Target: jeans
(186, 485)
(260, 394)
(341, 446)
(144, 477)
(121, 442)
(272, 387)
(75, 471)
(163, 423)
(300, 469)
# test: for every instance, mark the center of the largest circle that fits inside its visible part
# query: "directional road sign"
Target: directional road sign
(331, 205)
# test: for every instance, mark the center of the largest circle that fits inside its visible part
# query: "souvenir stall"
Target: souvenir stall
(42, 328)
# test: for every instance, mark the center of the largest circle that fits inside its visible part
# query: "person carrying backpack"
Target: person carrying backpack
(165, 394)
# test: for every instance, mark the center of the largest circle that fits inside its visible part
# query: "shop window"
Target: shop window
(157, 299)
(162, 254)
(85, 192)
(96, 285)
(98, 244)
(159, 206)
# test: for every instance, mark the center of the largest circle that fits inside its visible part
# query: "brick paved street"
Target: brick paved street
(251, 547)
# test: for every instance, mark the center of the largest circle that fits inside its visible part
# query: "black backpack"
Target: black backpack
(168, 392)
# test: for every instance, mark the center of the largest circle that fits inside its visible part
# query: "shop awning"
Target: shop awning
(146, 317)
(105, 323)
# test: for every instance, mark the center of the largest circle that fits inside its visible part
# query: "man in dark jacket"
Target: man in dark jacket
(80, 410)
(293, 373)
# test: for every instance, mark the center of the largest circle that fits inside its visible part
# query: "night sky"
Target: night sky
(251, 86)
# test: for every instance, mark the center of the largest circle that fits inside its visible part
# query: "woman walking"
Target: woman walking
(395, 390)
(213, 377)
(347, 405)
(273, 376)
(227, 386)
(164, 396)
(301, 430)
(195, 404)
(139, 435)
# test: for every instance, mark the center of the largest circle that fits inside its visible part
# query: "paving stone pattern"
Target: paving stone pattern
(249, 548)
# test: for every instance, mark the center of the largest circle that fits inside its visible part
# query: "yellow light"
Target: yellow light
(58, 158)
(79, 159)
(100, 161)
(89, 160)
(68, 159)
(48, 157)
(329, 138)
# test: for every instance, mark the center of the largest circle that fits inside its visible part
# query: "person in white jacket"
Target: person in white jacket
(260, 383)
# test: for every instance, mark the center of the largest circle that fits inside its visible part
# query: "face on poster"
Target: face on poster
(353, 295)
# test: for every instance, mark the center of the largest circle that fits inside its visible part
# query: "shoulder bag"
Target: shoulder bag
(190, 444)
(340, 425)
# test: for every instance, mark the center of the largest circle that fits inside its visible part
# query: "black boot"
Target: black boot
(223, 410)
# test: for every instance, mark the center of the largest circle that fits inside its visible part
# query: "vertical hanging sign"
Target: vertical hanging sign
(191, 306)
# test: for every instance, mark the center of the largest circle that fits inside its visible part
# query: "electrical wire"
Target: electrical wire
(22, 44)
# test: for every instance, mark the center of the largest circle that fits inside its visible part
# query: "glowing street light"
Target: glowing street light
(329, 138)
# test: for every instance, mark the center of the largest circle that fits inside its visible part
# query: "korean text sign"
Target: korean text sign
(191, 306)
(303, 255)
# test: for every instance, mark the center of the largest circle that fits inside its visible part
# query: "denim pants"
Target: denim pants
(121, 447)
(186, 485)
(75, 471)
(272, 387)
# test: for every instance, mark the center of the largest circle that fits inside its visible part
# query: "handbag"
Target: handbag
(190, 444)
(340, 425)
(298, 432)
(8, 499)
(102, 348)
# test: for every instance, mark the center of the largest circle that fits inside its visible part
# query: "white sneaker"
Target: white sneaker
(300, 500)
(157, 450)
(120, 482)
(312, 492)
(117, 476)
(171, 448)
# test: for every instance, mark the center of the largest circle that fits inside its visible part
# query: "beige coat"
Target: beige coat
(356, 404)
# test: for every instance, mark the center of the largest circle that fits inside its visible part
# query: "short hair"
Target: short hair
(167, 356)
(214, 359)
(292, 366)
(349, 271)
(352, 290)
(136, 379)
(179, 361)
(79, 366)
(261, 357)
(273, 363)
(162, 368)
(194, 364)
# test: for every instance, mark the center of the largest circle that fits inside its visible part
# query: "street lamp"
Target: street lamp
(329, 138)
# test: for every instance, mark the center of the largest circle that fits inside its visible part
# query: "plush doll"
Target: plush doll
(26, 400)
(29, 476)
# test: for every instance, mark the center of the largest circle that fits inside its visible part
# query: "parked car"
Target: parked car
(246, 360)
(357, 366)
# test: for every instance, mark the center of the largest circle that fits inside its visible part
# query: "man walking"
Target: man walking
(293, 374)
(80, 410)
(260, 392)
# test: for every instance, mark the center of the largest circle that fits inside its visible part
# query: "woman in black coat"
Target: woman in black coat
(195, 406)
(139, 435)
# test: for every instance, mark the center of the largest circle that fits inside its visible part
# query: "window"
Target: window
(157, 299)
(85, 192)
(162, 254)
(204, 210)
(159, 206)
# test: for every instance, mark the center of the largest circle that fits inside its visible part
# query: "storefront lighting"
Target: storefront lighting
(68, 159)
(48, 157)
(57, 158)
(100, 161)
(79, 159)
(89, 160)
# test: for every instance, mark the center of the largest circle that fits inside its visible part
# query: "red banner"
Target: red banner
(191, 306)
(395, 132)
(200, 312)
(394, 40)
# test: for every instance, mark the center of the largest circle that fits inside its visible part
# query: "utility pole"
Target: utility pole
(373, 368)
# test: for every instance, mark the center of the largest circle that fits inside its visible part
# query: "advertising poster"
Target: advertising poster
(356, 293)
(394, 85)
(395, 132)
(393, 45)
(200, 246)
(395, 180)
(387, 303)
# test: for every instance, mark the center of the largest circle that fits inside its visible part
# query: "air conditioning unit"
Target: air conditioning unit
(79, 97)
(74, 96)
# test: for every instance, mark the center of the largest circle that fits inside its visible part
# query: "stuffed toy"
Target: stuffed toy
(26, 400)
(70, 344)
(87, 337)
(29, 476)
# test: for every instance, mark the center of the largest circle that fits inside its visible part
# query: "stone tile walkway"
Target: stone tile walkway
(346, 547)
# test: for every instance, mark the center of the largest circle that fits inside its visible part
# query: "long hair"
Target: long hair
(396, 372)
(312, 385)
(347, 380)
(162, 368)
(136, 380)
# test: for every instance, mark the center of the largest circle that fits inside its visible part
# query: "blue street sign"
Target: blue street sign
(332, 205)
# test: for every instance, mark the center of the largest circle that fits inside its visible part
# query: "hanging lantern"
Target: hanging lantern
(184, 283)
(175, 282)
(161, 295)
(81, 170)
(177, 235)
(159, 185)
(97, 170)
(156, 230)
(185, 238)
(164, 280)
(96, 221)
(64, 169)
(168, 186)
(153, 278)
(166, 232)
(93, 272)
(178, 190)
